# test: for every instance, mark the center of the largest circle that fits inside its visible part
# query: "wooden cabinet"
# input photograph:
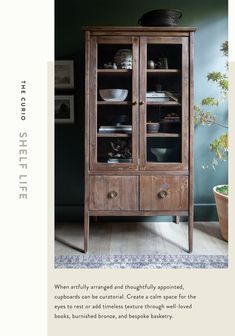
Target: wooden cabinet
(139, 123)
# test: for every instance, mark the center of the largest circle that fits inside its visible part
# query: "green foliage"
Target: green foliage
(223, 189)
(205, 113)
(210, 101)
(220, 148)
(224, 48)
(203, 117)
(220, 79)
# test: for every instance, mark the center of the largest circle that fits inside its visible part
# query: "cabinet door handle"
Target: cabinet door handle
(112, 194)
(142, 102)
(134, 102)
(162, 194)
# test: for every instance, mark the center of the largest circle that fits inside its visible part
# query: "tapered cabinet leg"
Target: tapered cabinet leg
(86, 230)
(177, 219)
(190, 233)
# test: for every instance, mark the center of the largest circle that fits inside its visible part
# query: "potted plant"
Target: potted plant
(205, 114)
(221, 199)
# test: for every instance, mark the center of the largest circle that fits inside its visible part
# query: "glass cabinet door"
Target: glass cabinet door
(164, 103)
(114, 117)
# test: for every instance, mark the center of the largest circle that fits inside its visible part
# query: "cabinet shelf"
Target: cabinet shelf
(115, 72)
(113, 135)
(163, 135)
(168, 103)
(100, 102)
(163, 71)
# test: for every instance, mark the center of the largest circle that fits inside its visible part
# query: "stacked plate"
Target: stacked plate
(123, 58)
(115, 129)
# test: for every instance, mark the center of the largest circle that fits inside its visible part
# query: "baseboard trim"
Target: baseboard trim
(74, 213)
(205, 212)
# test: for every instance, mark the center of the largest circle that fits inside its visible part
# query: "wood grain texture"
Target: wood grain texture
(87, 141)
(185, 105)
(142, 94)
(142, 173)
(161, 166)
(162, 71)
(141, 33)
(170, 103)
(165, 40)
(139, 29)
(86, 230)
(124, 188)
(163, 135)
(118, 39)
(113, 103)
(135, 187)
(135, 95)
(191, 142)
(163, 193)
(143, 213)
(140, 238)
(92, 79)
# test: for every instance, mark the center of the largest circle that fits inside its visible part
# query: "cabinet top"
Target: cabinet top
(140, 29)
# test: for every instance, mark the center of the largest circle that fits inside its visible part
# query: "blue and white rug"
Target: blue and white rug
(142, 261)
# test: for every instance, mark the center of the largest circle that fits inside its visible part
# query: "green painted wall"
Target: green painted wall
(210, 18)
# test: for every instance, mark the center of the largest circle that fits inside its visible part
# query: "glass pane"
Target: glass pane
(163, 98)
(165, 56)
(120, 54)
(114, 109)
(114, 150)
(163, 150)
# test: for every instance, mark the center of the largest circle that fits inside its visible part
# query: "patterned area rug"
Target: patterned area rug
(142, 261)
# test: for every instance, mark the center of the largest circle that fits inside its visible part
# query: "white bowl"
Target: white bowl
(113, 94)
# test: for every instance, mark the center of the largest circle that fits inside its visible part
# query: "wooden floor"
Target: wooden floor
(140, 238)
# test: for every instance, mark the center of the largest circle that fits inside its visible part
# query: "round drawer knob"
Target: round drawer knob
(112, 194)
(162, 194)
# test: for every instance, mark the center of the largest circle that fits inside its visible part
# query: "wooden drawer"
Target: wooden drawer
(163, 193)
(113, 193)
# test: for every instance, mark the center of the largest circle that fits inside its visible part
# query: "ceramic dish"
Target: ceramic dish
(113, 94)
(162, 154)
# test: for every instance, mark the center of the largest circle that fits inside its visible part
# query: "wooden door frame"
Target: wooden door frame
(99, 166)
(183, 165)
